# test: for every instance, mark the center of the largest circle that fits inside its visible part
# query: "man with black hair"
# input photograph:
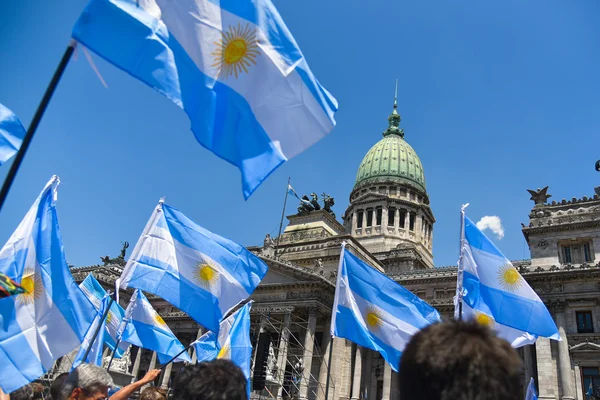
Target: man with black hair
(56, 385)
(214, 380)
(459, 361)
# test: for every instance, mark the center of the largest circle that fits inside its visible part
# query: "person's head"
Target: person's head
(153, 393)
(459, 361)
(86, 382)
(23, 393)
(214, 380)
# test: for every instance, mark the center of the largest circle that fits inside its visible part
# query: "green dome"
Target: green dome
(392, 159)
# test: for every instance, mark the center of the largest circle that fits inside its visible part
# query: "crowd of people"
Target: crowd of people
(445, 361)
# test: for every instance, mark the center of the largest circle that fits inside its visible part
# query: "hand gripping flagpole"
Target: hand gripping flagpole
(459, 272)
(39, 113)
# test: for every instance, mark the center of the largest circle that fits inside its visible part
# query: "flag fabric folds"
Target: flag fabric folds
(495, 293)
(95, 345)
(531, 392)
(95, 293)
(375, 312)
(233, 66)
(197, 271)
(12, 133)
(232, 342)
(590, 391)
(144, 327)
(52, 316)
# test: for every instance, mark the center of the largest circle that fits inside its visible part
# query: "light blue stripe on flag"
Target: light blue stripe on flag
(52, 317)
(531, 392)
(12, 133)
(200, 273)
(233, 67)
(375, 312)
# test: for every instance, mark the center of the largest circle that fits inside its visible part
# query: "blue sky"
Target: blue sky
(496, 97)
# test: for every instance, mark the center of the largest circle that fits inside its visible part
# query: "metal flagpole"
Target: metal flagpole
(459, 272)
(329, 368)
(110, 303)
(39, 113)
(282, 215)
(112, 357)
(177, 355)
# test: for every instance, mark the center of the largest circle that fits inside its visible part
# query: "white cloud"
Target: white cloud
(492, 223)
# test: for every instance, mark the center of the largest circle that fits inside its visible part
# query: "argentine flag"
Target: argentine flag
(95, 292)
(94, 344)
(232, 342)
(197, 271)
(232, 65)
(144, 327)
(51, 318)
(375, 312)
(495, 294)
(12, 133)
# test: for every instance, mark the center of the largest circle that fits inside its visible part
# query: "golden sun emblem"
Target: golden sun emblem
(159, 320)
(225, 352)
(32, 284)
(509, 277)
(109, 317)
(206, 276)
(484, 319)
(236, 51)
(373, 318)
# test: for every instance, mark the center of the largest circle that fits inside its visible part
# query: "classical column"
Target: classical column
(368, 372)
(528, 363)
(105, 353)
(150, 367)
(323, 370)
(354, 221)
(194, 355)
(565, 372)
(166, 376)
(309, 345)
(282, 354)
(136, 364)
(364, 225)
(384, 218)
(546, 372)
(357, 373)
(387, 381)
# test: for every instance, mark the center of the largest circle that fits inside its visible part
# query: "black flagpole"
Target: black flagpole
(177, 355)
(36, 121)
(282, 215)
(112, 357)
(110, 303)
(329, 369)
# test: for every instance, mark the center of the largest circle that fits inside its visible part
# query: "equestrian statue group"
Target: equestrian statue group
(308, 205)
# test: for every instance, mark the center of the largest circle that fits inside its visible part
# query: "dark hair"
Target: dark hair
(459, 361)
(214, 380)
(23, 393)
(153, 393)
(57, 384)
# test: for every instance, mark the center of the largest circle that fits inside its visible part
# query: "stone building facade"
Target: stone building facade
(389, 224)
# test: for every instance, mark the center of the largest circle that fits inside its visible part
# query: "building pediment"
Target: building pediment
(585, 347)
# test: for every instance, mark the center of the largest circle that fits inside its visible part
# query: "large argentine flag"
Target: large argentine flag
(144, 327)
(375, 312)
(232, 65)
(95, 292)
(51, 318)
(12, 133)
(495, 293)
(197, 271)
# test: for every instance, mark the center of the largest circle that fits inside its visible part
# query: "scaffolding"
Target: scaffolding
(286, 372)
